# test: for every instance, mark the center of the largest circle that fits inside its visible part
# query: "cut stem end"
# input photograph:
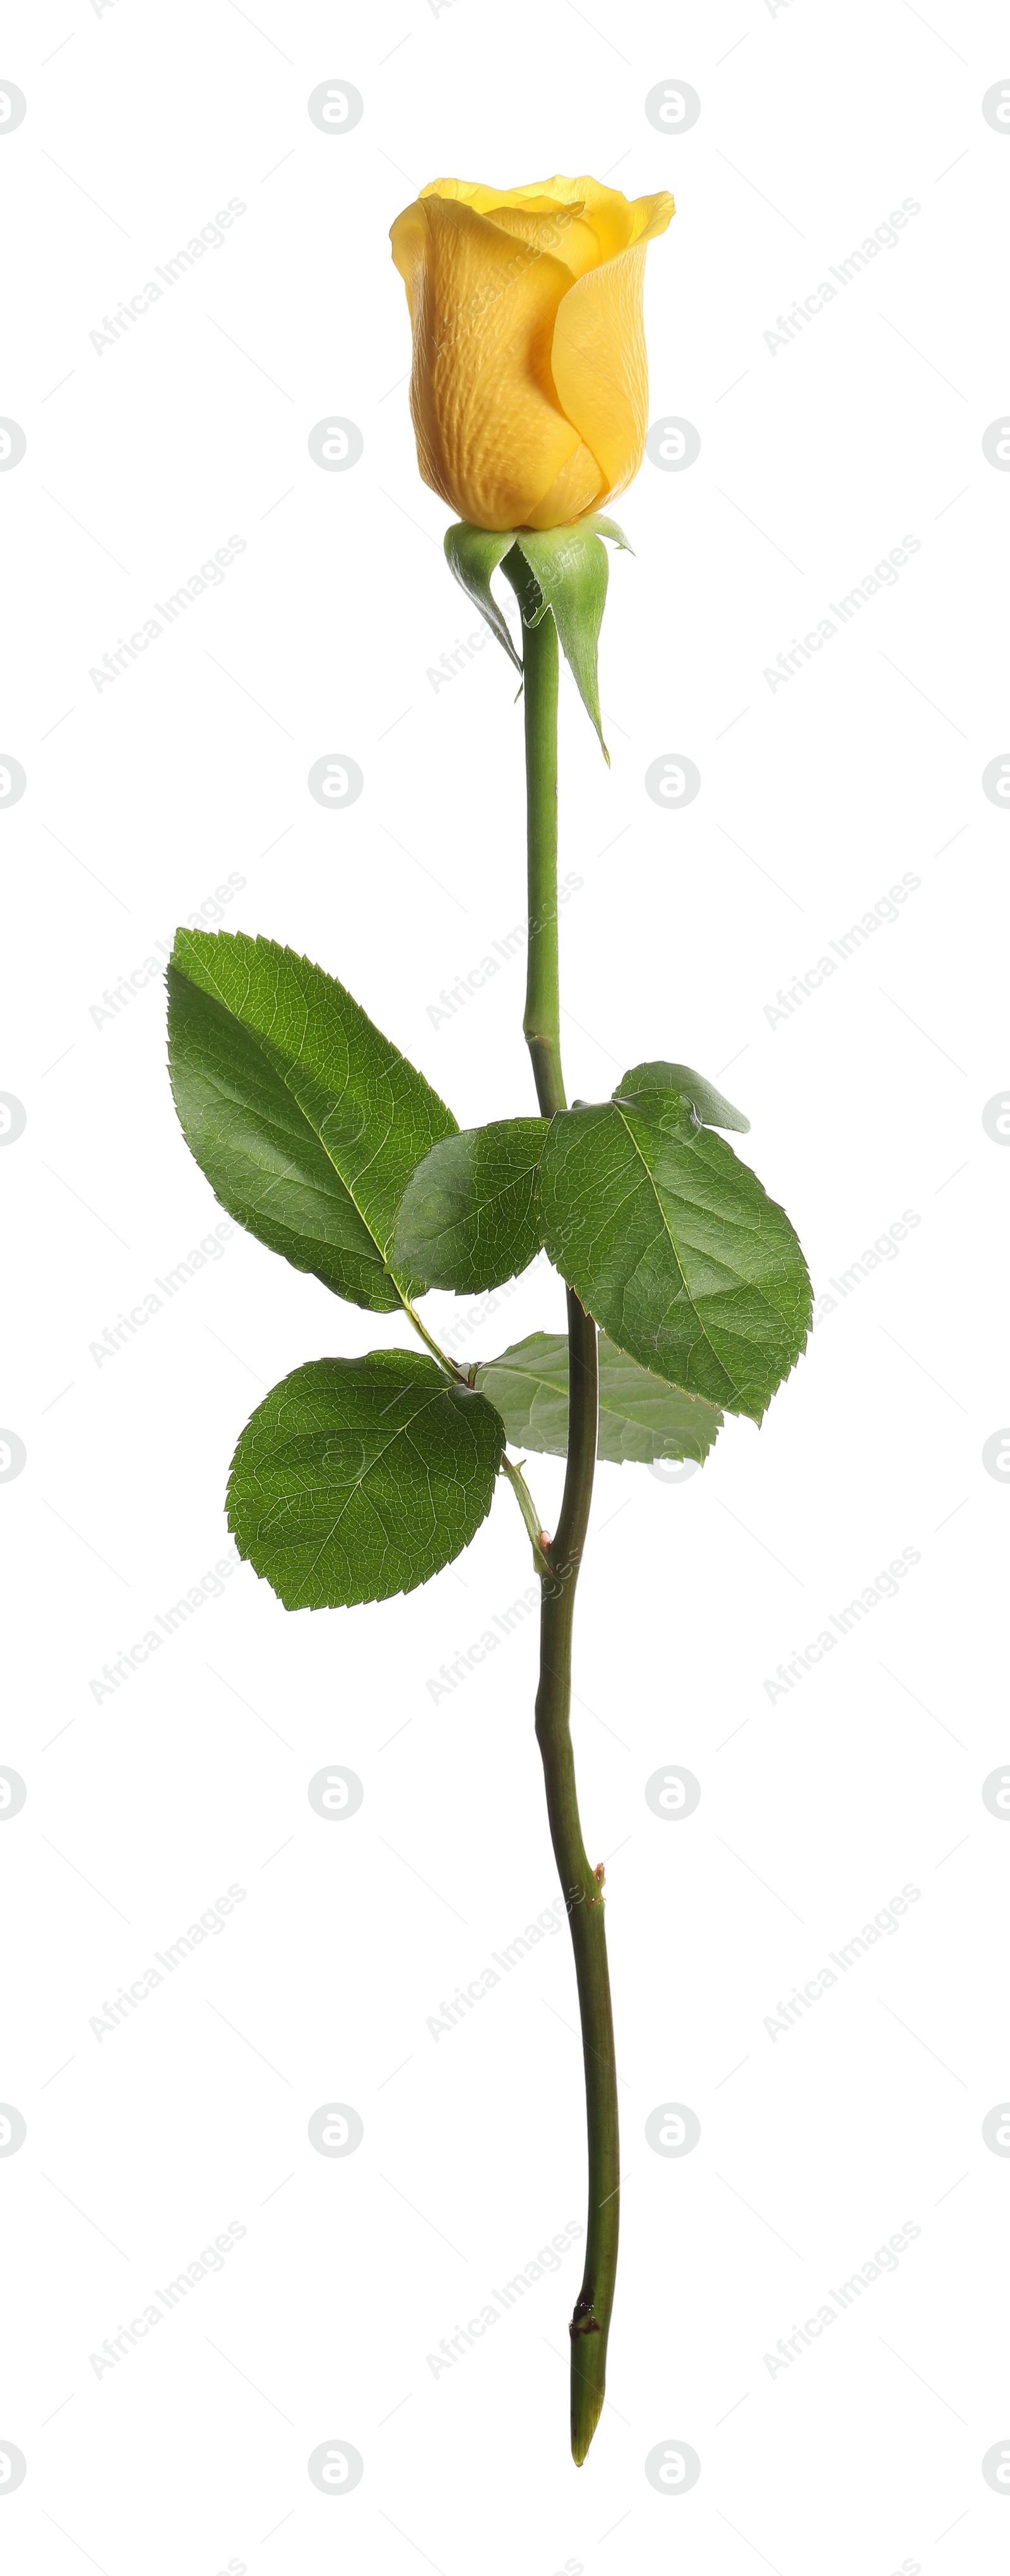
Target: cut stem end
(589, 2384)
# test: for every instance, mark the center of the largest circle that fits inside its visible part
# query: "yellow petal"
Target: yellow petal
(605, 208)
(547, 221)
(551, 228)
(598, 352)
(529, 392)
(611, 215)
(492, 438)
(579, 487)
(469, 192)
(651, 216)
(408, 236)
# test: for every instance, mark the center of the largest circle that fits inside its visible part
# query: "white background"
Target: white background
(143, 1806)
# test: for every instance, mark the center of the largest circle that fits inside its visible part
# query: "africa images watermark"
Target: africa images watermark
(546, 2259)
(476, 1318)
(209, 1588)
(211, 2258)
(548, 1922)
(803, 648)
(886, 236)
(211, 236)
(886, 1922)
(466, 650)
(117, 997)
(883, 1588)
(886, 1248)
(129, 648)
(885, 2259)
(114, 1336)
(451, 1675)
(512, 944)
(790, 997)
(211, 1922)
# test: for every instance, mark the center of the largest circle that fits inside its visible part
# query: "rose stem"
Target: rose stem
(591, 2319)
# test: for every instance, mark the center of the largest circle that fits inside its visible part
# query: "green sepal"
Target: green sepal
(608, 528)
(473, 554)
(570, 568)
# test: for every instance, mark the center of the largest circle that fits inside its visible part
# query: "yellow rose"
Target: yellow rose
(529, 387)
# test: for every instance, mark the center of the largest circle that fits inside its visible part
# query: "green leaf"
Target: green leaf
(305, 1119)
(571, 570)
(473, 554)
(355, 1479)
(641, 1418)
(674, 1247)
(467, 1219)
(711, 1110)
